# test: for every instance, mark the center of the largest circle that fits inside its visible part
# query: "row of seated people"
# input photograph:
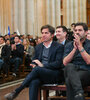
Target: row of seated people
(12, 52)
(55, 61)
(12, 49)
(29, 44)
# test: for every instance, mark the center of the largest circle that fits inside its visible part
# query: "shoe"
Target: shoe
(14, 74)
(79, 96)
(61, 93)
(11, 96)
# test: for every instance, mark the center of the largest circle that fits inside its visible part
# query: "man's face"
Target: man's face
(1, 41)
(7, 37)
(8, 42)
(16, 39)
(46, 35)
(88, 35)
(60, 34)
(72, 27)
(80, 32)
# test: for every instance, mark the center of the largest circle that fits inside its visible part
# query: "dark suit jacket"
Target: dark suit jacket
(67, 41)
(6, 52)
(19, 52)
(55, 55)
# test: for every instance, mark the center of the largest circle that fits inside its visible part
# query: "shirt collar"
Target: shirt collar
(63, 42)
(17, 43)
(48, 45)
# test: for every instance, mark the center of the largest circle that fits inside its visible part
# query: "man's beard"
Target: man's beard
(82, 38)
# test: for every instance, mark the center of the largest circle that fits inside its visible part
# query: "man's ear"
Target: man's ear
(52, 35)
(65, 33)
(86, 32)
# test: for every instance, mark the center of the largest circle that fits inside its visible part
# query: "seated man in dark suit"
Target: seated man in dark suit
(46, 65)
(77, 63)
(5, 52)
(2, 43)
(61, 35)
(5, 55)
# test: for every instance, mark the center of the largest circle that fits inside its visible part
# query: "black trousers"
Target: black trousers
(38, 76)
(75, 80)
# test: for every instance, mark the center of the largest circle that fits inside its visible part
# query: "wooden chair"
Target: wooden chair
(23, 64)
(22, 68)
(4, 75)
(46, 88)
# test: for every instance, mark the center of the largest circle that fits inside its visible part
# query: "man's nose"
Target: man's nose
(77, 33)
(43, 34)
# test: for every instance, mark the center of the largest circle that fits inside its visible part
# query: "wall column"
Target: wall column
(40, 15)
(48, 19)
(58, 12)
(21, 16)
(71, 12)
(64, 12)
(15, 16)
(1, 17)
(83, 10)
(30, 17)
(68, 13)
(52, 8)
(76, 11)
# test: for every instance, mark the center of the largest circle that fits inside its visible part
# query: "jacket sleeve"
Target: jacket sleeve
(6, 52)
(36, 53)
(18, 52)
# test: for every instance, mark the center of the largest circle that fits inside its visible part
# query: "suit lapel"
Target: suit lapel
(50, 51)
(66, 42)
(41, 51)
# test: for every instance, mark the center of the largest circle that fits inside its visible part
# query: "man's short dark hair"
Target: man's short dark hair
(12, 42)
(73, 24)
(49, 27)
(15, 33)
(2, 37)
(17, 36)
(84, 25)
(63, 27)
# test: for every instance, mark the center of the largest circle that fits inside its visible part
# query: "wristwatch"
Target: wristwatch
(82, 50)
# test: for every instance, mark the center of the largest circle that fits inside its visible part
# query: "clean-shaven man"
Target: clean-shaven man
(46, 65)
